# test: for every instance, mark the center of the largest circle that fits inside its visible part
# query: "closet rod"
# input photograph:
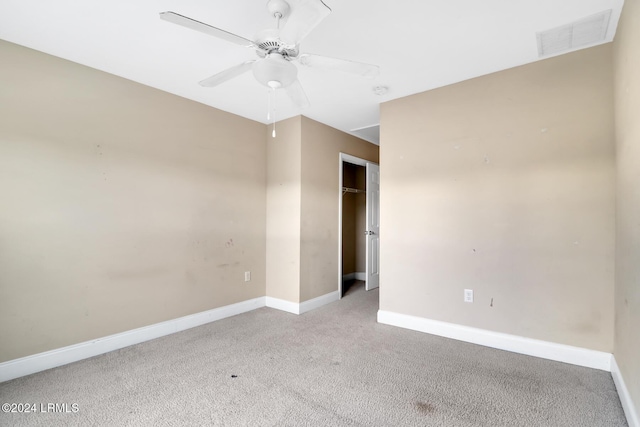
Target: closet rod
(351, 190)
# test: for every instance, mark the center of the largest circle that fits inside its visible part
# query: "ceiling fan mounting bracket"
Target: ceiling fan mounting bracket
(279, 9)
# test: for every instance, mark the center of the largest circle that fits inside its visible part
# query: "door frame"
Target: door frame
(342, 159)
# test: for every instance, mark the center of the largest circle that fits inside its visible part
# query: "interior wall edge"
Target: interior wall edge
(625, 397)
(304, 306)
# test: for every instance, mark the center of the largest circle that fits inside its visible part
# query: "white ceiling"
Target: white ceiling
(418, 44)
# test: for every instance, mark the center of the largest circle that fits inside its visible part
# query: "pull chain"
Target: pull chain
(269, 104)
(272, 91)
(273, 133)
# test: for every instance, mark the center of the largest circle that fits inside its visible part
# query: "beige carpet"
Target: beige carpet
(334, 366)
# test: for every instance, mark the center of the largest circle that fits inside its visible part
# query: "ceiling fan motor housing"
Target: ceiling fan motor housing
(268, 41)
(275, 71)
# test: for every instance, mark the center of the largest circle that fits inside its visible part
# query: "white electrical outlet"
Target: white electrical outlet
(468, 295)
(247, 276)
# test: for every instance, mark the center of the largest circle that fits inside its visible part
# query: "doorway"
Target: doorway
(359, 207)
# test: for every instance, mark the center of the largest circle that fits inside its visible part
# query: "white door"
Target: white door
(373, 226)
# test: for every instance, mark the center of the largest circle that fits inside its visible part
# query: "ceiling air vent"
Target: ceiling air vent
(585, 32)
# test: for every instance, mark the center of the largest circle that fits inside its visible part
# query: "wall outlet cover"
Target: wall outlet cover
(468, 295)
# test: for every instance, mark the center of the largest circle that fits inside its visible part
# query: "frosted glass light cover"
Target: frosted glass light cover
(274, 68)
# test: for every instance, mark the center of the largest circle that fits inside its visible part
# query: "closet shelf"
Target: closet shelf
(351, 190)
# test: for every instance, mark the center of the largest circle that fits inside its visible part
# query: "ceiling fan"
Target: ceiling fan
(278, 48)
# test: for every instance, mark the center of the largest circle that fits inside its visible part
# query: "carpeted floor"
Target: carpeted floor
(334, 366)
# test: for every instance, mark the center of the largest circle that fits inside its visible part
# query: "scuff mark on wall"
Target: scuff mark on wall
(190, 277)
(226, 264)
(136, 274)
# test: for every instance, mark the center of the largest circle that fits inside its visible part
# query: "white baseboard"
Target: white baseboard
(318, 302)
(283, 305)
(354, 276)
(532, 347)
(50, 359)
(625, 398)
(303, 307)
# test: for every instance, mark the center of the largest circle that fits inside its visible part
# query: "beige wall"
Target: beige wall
(321, 147)
(122, 205)
(504, 184)
(627, 118)
(283, 210)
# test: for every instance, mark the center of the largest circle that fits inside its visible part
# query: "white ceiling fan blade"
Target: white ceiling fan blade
(227, 74)
(358, 68)
(305, 16)
(296, 93)
(205, 28)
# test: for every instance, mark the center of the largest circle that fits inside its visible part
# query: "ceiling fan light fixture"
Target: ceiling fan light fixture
(277, 48)
(275, 70)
